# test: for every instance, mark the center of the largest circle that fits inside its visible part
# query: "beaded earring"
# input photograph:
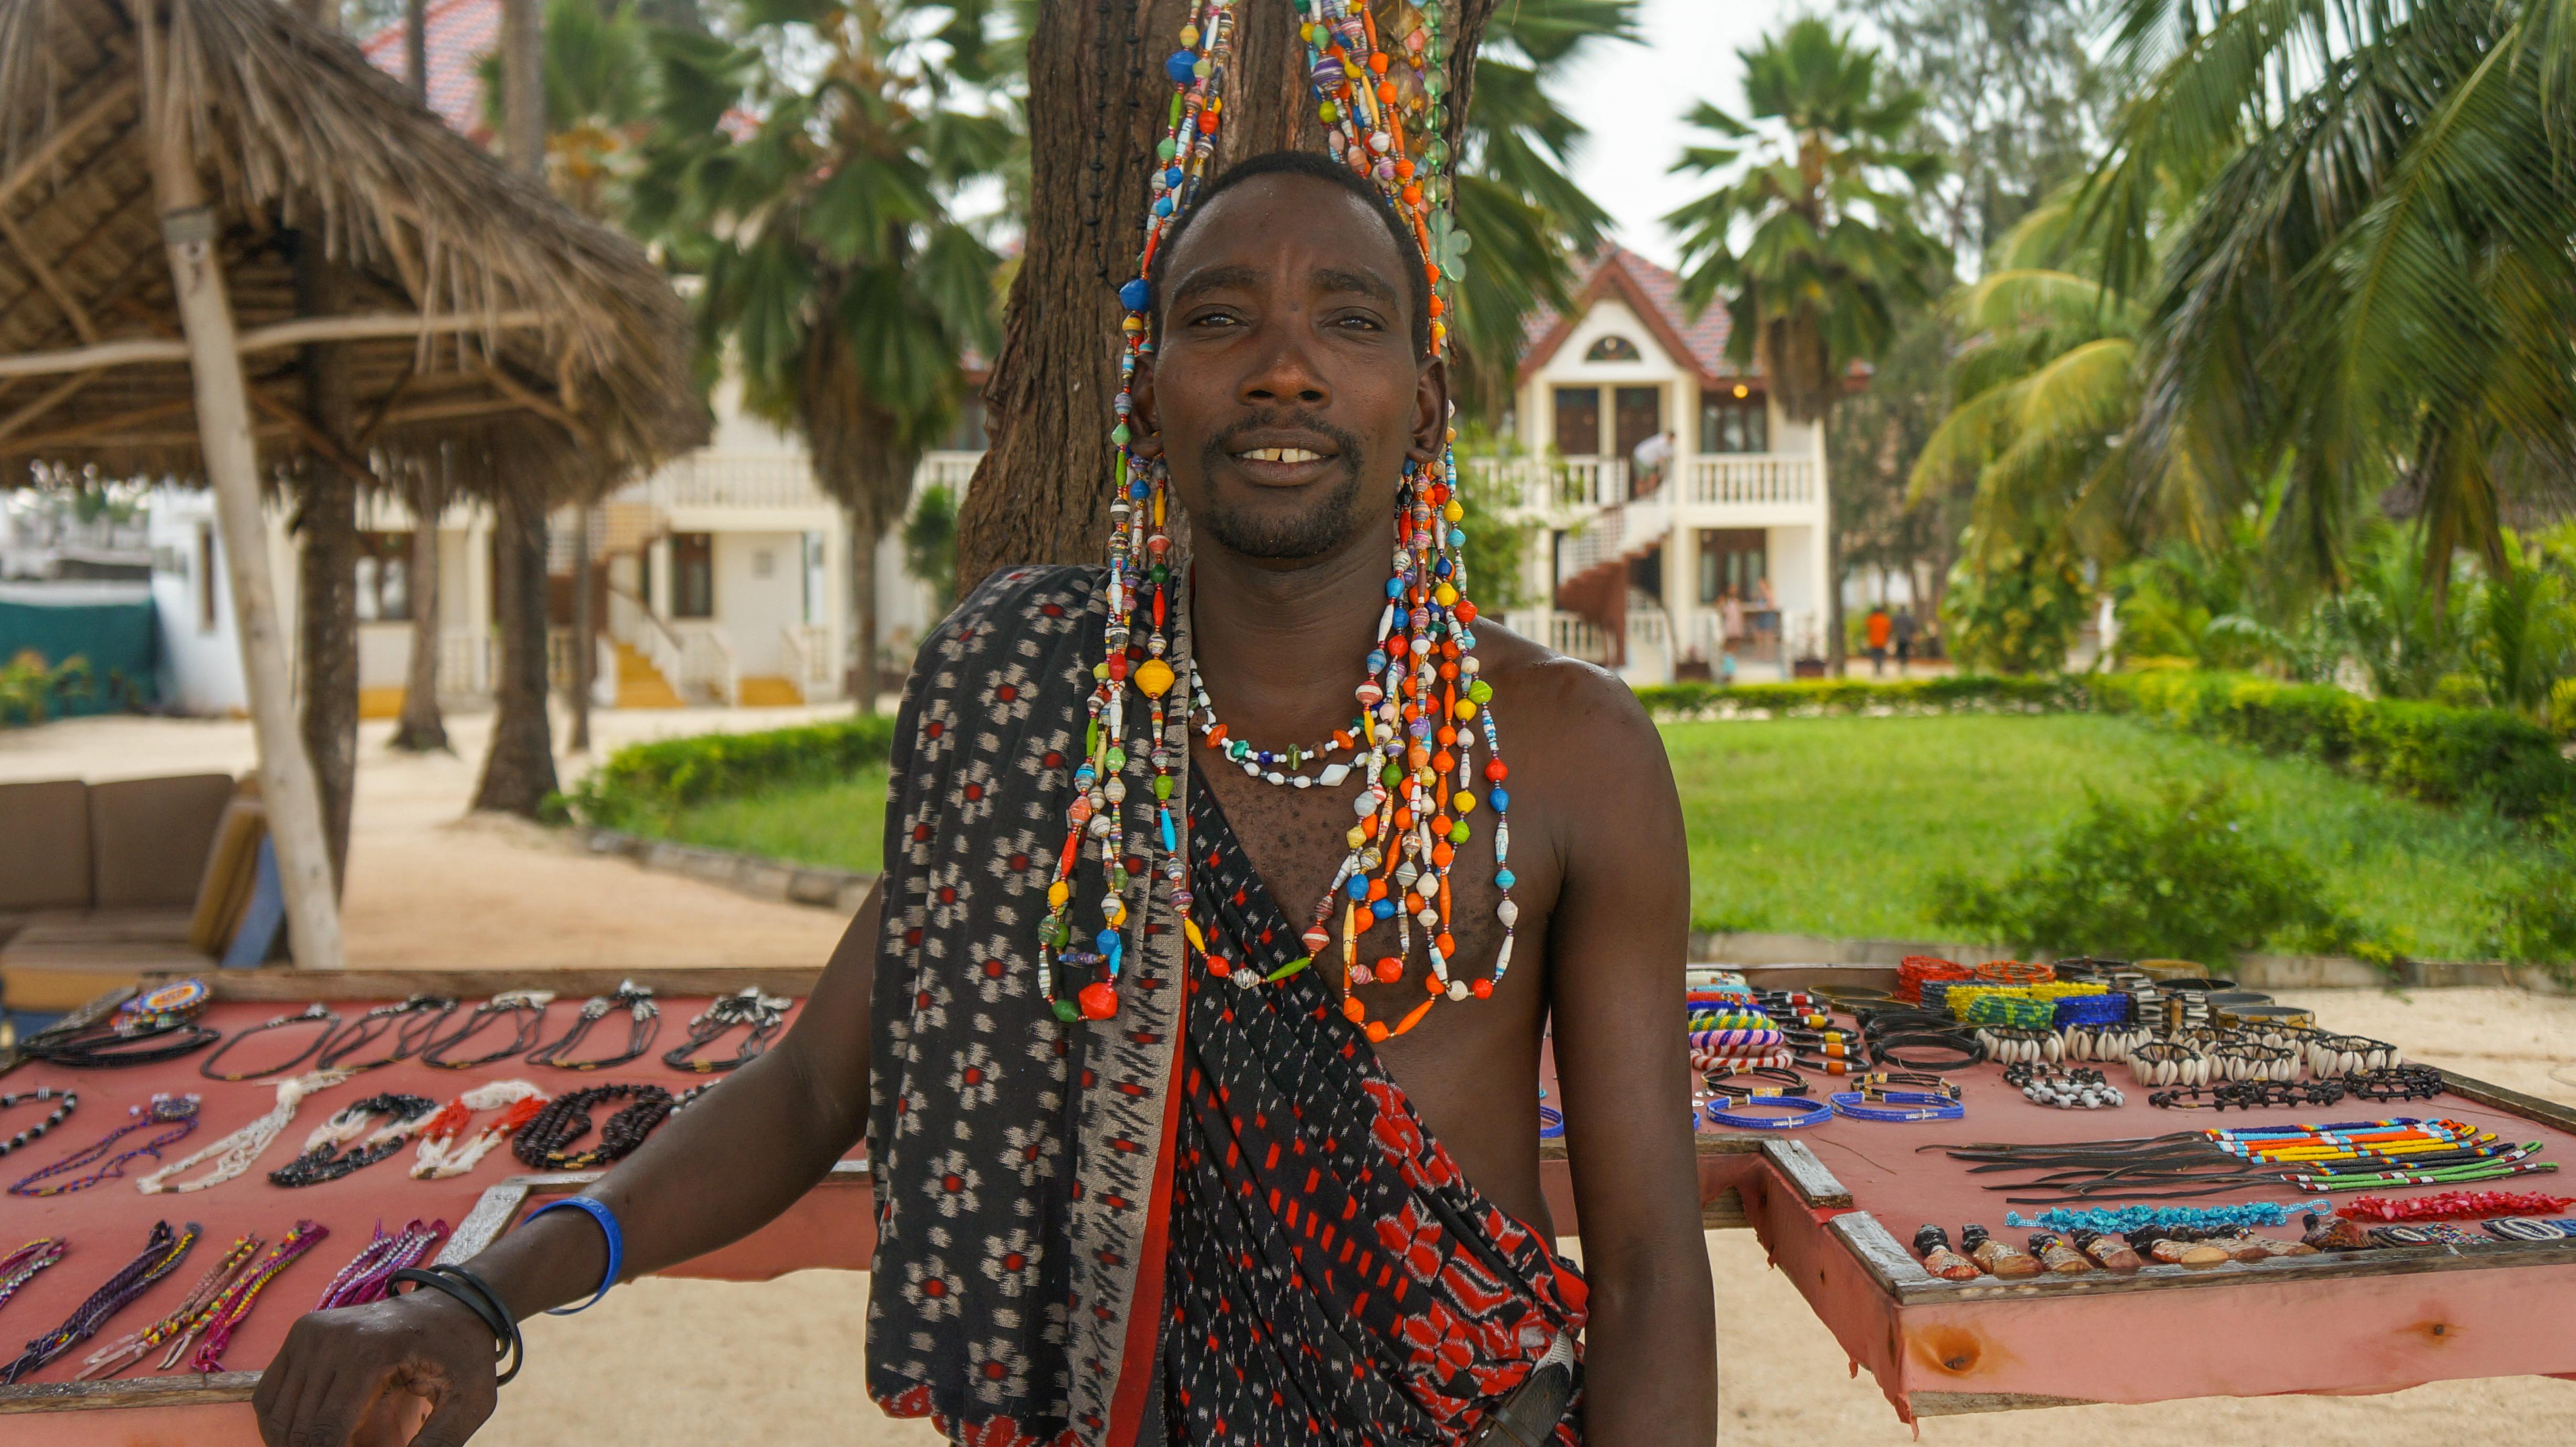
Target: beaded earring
(1421, 703)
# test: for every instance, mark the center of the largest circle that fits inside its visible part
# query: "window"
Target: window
(1734, 424)
(693, 575)
(1733, 560)
(1613, 349)
(1578, 421)
(384, 577)
(205, 577)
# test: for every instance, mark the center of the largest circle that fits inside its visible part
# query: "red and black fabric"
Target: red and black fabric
(1331, 1276)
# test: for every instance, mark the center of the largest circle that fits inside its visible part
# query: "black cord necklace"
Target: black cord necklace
(95, 1050)
(530, 1005)
(330, 1021)
(747, 1006)
(540, 1143)
(323, 1159)
(639, 1035)
(420, 1016)
(70, 1101)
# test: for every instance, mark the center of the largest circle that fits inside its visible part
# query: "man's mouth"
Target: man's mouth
(1280, 454)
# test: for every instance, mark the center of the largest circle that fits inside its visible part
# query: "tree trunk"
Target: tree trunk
(863, 611)
(523, 87)
(424, 727)
(416, 48)
(583, 644)
(327, 582)
(1833, 594)
(519, 772)
(1098, 98)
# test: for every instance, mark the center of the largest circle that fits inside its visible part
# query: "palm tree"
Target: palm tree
(808, 169)
(2375, 289)
(1830, 258)
(1529, 220)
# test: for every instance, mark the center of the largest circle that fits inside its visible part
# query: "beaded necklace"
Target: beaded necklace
(1422, 705)
(70, 1101)
(369, 1272)
(177, 1112)
(441, 1156)
(20, 1266)
(127, 1350)
(233, 1305)
(323, 1160)
(236, 1153)
(163, 1250)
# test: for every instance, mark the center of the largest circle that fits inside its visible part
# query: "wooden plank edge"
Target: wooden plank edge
(1704, 1143)
(173, 1391)
(1926, 1289)
(1817, 1186)
(1724, 1212)
(1954, 1404)
(2529, 1107)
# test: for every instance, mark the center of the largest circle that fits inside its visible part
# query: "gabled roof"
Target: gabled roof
(461, 33)
(1654, 294)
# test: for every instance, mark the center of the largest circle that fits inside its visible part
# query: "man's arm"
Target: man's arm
(717, 1171)
(1616, 949)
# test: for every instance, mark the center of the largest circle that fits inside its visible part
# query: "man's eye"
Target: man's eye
(1214, 319)
(1363, 323)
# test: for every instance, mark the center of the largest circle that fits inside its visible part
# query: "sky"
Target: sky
(1632, 97)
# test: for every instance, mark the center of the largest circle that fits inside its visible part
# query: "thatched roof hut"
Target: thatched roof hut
(483, 311)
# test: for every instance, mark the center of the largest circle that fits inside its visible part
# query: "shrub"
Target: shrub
(646, 783)
(2535, 914)
(1958, 693)
(31, 688)
(2431, 751)
(2176, 878)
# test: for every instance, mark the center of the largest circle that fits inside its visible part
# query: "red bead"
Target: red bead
(1390, 970)
(1099, 1000)
(1466, 611)
(1495, 771)
(1482, 989)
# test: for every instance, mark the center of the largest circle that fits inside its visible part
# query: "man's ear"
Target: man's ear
(1430, 412)
(1145, 423)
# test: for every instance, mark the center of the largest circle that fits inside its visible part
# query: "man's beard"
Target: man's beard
(1314, 531)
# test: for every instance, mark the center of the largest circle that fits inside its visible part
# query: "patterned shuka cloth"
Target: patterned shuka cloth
(1314, 1269)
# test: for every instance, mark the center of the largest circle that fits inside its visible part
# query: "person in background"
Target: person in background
(1905, 630)
(1877, 628)
(1651, 457)
(1726, 668)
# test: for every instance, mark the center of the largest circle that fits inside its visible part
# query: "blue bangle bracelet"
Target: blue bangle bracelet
(1551, 1123)
(607, 1220)
(1919, 1105)
(1808, 1113)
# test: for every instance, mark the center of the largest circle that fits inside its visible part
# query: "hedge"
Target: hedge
(1973, 692)
(645, 782)
(2434, 752)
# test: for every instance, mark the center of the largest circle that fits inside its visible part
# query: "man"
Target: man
(1269, 1229)
(1877, 628)
(1905, 630)
(1651, 456)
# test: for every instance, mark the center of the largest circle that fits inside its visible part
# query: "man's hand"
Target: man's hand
(343, 1377)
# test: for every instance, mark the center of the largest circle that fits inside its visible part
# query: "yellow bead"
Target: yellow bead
(1466, 709)
(1058, 893)
(1446, 594)
(1453, 511)
(1154, 676)
(1357, 836)
(1464, 803)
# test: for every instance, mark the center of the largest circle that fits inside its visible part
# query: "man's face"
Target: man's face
(1285, 392)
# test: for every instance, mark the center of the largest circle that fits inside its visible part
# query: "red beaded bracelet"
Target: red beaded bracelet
(2454, 1206)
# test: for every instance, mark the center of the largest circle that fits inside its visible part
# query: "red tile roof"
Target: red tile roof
(461, 33)
(1655, 295)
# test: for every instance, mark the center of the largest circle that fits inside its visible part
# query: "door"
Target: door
(1578, 421)
(1637, 413)
(693, 575)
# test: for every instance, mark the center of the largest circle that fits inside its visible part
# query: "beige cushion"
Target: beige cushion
(149, 838)
(60, 961)
(232, 869)
(44, 846)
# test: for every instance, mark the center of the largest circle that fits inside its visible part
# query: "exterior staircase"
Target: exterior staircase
(770, 691)
(640, 684)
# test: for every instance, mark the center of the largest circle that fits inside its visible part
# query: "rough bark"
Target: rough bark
(1097, 95)
(863, 612)
(583, 642)
(423, 727)
(519, 772)
(327, 582)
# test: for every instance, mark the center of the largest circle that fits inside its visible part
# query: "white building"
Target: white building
(1659, 576)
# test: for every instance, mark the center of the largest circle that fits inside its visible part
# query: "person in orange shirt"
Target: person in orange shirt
(1877, 628)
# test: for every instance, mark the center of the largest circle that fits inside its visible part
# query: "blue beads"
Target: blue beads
(1383, 909)
(1376, 661)
(1395, 587)
(1138, 491)
(1358, 886)
(1504, 879)
(1136, 294)
(1172, 177)
(1501, 799)
(1441, 568)
(1163, 207)
(1107, 940)
(1457, 537)
(1182, 65)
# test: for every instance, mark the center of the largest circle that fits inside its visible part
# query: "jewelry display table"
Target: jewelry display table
(1832, 1204)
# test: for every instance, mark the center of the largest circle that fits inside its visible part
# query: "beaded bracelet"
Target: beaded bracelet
(1734, 1113)
(1551, 1123)
(70, 1101)
(1914, 1105)
(2530, 1228)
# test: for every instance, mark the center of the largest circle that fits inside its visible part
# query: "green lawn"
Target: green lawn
(1836, 826)
(839, 825)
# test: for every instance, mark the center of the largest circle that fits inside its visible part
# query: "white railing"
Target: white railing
(736, 479)
(809, 660)
(1647, 628)
(1577, 637)
(1542, 485)
(951, 470)
(707, 661)
(1618, 532)
(464, 661)
(1752, 478)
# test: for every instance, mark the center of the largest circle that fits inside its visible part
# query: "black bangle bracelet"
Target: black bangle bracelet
(480, 1299)
(1968, 1050)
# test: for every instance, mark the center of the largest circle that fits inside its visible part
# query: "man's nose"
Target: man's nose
(1285, 370)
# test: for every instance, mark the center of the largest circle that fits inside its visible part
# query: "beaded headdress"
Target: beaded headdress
(1380, 94)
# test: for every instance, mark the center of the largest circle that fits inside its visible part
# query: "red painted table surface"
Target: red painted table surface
(105, 1225)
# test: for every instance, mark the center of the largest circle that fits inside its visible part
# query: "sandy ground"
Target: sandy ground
(691, 1362)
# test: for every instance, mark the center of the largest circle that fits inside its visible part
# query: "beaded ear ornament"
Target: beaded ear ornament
(1380, 94)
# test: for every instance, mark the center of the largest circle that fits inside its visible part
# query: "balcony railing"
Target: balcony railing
(1617, 532)
(1752, 478)
(777, 479)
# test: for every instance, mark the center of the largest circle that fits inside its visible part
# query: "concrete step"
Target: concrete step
(770, 691)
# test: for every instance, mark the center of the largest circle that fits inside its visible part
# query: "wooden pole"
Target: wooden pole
(286, 777)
